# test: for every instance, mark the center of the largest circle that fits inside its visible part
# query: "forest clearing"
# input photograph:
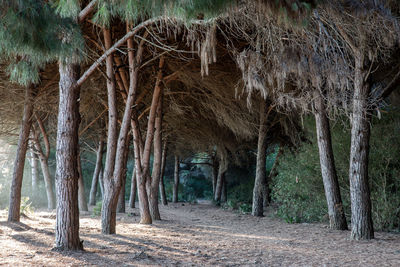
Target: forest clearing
(194, 235)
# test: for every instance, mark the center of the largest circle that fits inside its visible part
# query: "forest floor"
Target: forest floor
(193, 235)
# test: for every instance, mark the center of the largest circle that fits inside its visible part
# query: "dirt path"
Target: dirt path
(194, 235)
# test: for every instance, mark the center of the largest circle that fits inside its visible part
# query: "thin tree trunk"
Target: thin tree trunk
(113, 179)
(44, 161)
(101, 183)
(224, 190)
(121, 197)
(67, 218)
(215, 168)
(35, 173)
(223, 166)
(51, 203)
(176, 180)
(162, 185)
(337, 218)
(81, 188)
(361, 217)
(95, 179)
(18, 172)
(132, 198)
(260, 183)
(157, 159)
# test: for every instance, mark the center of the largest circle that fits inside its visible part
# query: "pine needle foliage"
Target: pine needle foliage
(30, 34)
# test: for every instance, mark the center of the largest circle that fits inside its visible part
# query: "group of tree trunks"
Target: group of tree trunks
(68, 172)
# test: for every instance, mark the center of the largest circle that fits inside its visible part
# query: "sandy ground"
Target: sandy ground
(193, 235)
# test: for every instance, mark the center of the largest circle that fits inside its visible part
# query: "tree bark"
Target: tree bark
(121, 197)
(67, 218)
(157, 160)
(81, 188)
(224, 190)
(215, 167)
(132, 198)
(35, 172)
(361, 217)
(176, 180)
(44, 161)
(18, 172)
(337, 218)
(162, 185)
(95, 179)
(260, 183)
(101, 183)
(223, 166)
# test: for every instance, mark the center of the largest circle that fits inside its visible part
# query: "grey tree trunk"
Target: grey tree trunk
(157, 161)
(51, 203)
(44, 161)
(361, 217)
(260, 183)
(18, 172)
(35, 173)
(223, 166)
(67, 218)
(162, 185)
(132, 198)
(337, 218)
(101, 182)
(95, 179)
(176, 180)
(81, 188)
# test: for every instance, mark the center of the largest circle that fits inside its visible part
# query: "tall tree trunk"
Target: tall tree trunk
(337, 218)
(67, 218)
(361, 217)
(113, 180)
(260, 183)
(162, 185)
(35, 173)
(18, 172)
(157, 161)
(176, 180)
(132, 198)
(81, 188)
(95, 179)
(110, 197)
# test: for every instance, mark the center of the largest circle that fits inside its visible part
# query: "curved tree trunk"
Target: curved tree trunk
(176, 180)
(215, 167)
(337, 218)
(95, 179)
(35, 172)
(101, 182)
(44, 161)
(18, 172)
(81, 188)
(223, 166)
(67, 218)
(260, 183)
(162, 185)
(361, 216)
(132, 198)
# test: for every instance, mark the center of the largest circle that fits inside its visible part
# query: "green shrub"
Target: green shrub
(97, 209)
(298, 188)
